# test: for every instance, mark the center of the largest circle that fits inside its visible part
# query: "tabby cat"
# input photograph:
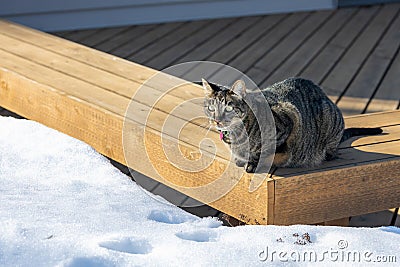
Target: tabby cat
(308, 125)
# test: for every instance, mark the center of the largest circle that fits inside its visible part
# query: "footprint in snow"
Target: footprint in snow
(89, 262)
(129, 245)
(169, 217)
(198, 236)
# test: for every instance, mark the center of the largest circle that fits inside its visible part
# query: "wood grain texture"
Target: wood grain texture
(361, 180)
(86, 93)
(334, 194)
(367, 80)
(269, 63)
(347, 69)
(321, 66)
(53, 93)
(311, 47)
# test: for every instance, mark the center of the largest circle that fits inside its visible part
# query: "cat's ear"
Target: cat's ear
(239, 88)
(207, 87)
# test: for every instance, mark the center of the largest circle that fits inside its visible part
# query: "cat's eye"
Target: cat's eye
(211, 108)
(229, 108)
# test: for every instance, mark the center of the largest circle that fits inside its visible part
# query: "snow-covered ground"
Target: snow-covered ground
(63, 204)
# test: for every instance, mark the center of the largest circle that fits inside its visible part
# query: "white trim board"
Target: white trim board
(59, 15)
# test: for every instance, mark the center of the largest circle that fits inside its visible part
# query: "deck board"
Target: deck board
(354, 48)
(267, 64)
(172, 54)
(354, 53)
(218, 41)
(344, 73)
(79, 35)
(170, 40)
(311, 47)
(102, 35)
(373, 67)
(320, 68)
(387, 96)
(129, 35)
(246, 38)
(140, 42)
(245, 61)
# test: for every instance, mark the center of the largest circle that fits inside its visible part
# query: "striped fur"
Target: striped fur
(309, 126)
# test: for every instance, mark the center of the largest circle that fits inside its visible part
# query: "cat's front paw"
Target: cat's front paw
(250, 167)
(240, 163)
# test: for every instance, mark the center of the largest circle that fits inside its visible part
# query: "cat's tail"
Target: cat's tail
(350, 132)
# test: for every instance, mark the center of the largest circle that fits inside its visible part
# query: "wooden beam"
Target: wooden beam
(337, 193)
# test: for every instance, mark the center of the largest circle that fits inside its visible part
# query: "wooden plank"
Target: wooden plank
(344, 72)
(265, 44)
(213, 44)
(169, 56)
(379, 119)
(244, 61)
(130, 34)
(76, 36)
(348, 157)
(352, 105)
(311, 47)
(83, 54)
(377, 105)
(387, 96)
(155, 48)
(89, 73)
(335, 194)
(274, 58)
(216, 42)
(246, 39)
(390, 133)
(238, 46)
(321, 66)
(78, 52)
(77, 69)
(102, 35)
(117, 103)
(372, 71)
(127, 49)
(63, 34)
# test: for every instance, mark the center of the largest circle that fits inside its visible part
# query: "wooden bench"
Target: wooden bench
(86, 93)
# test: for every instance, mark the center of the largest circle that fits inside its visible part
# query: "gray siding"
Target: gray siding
(345, 3)
(52, 15)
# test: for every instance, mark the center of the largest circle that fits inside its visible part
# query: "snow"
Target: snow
(63, 204)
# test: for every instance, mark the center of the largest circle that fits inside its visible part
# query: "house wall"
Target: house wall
(346, 3)
(53, 15)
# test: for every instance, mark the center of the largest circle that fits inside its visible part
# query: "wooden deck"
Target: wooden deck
(353, 53)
